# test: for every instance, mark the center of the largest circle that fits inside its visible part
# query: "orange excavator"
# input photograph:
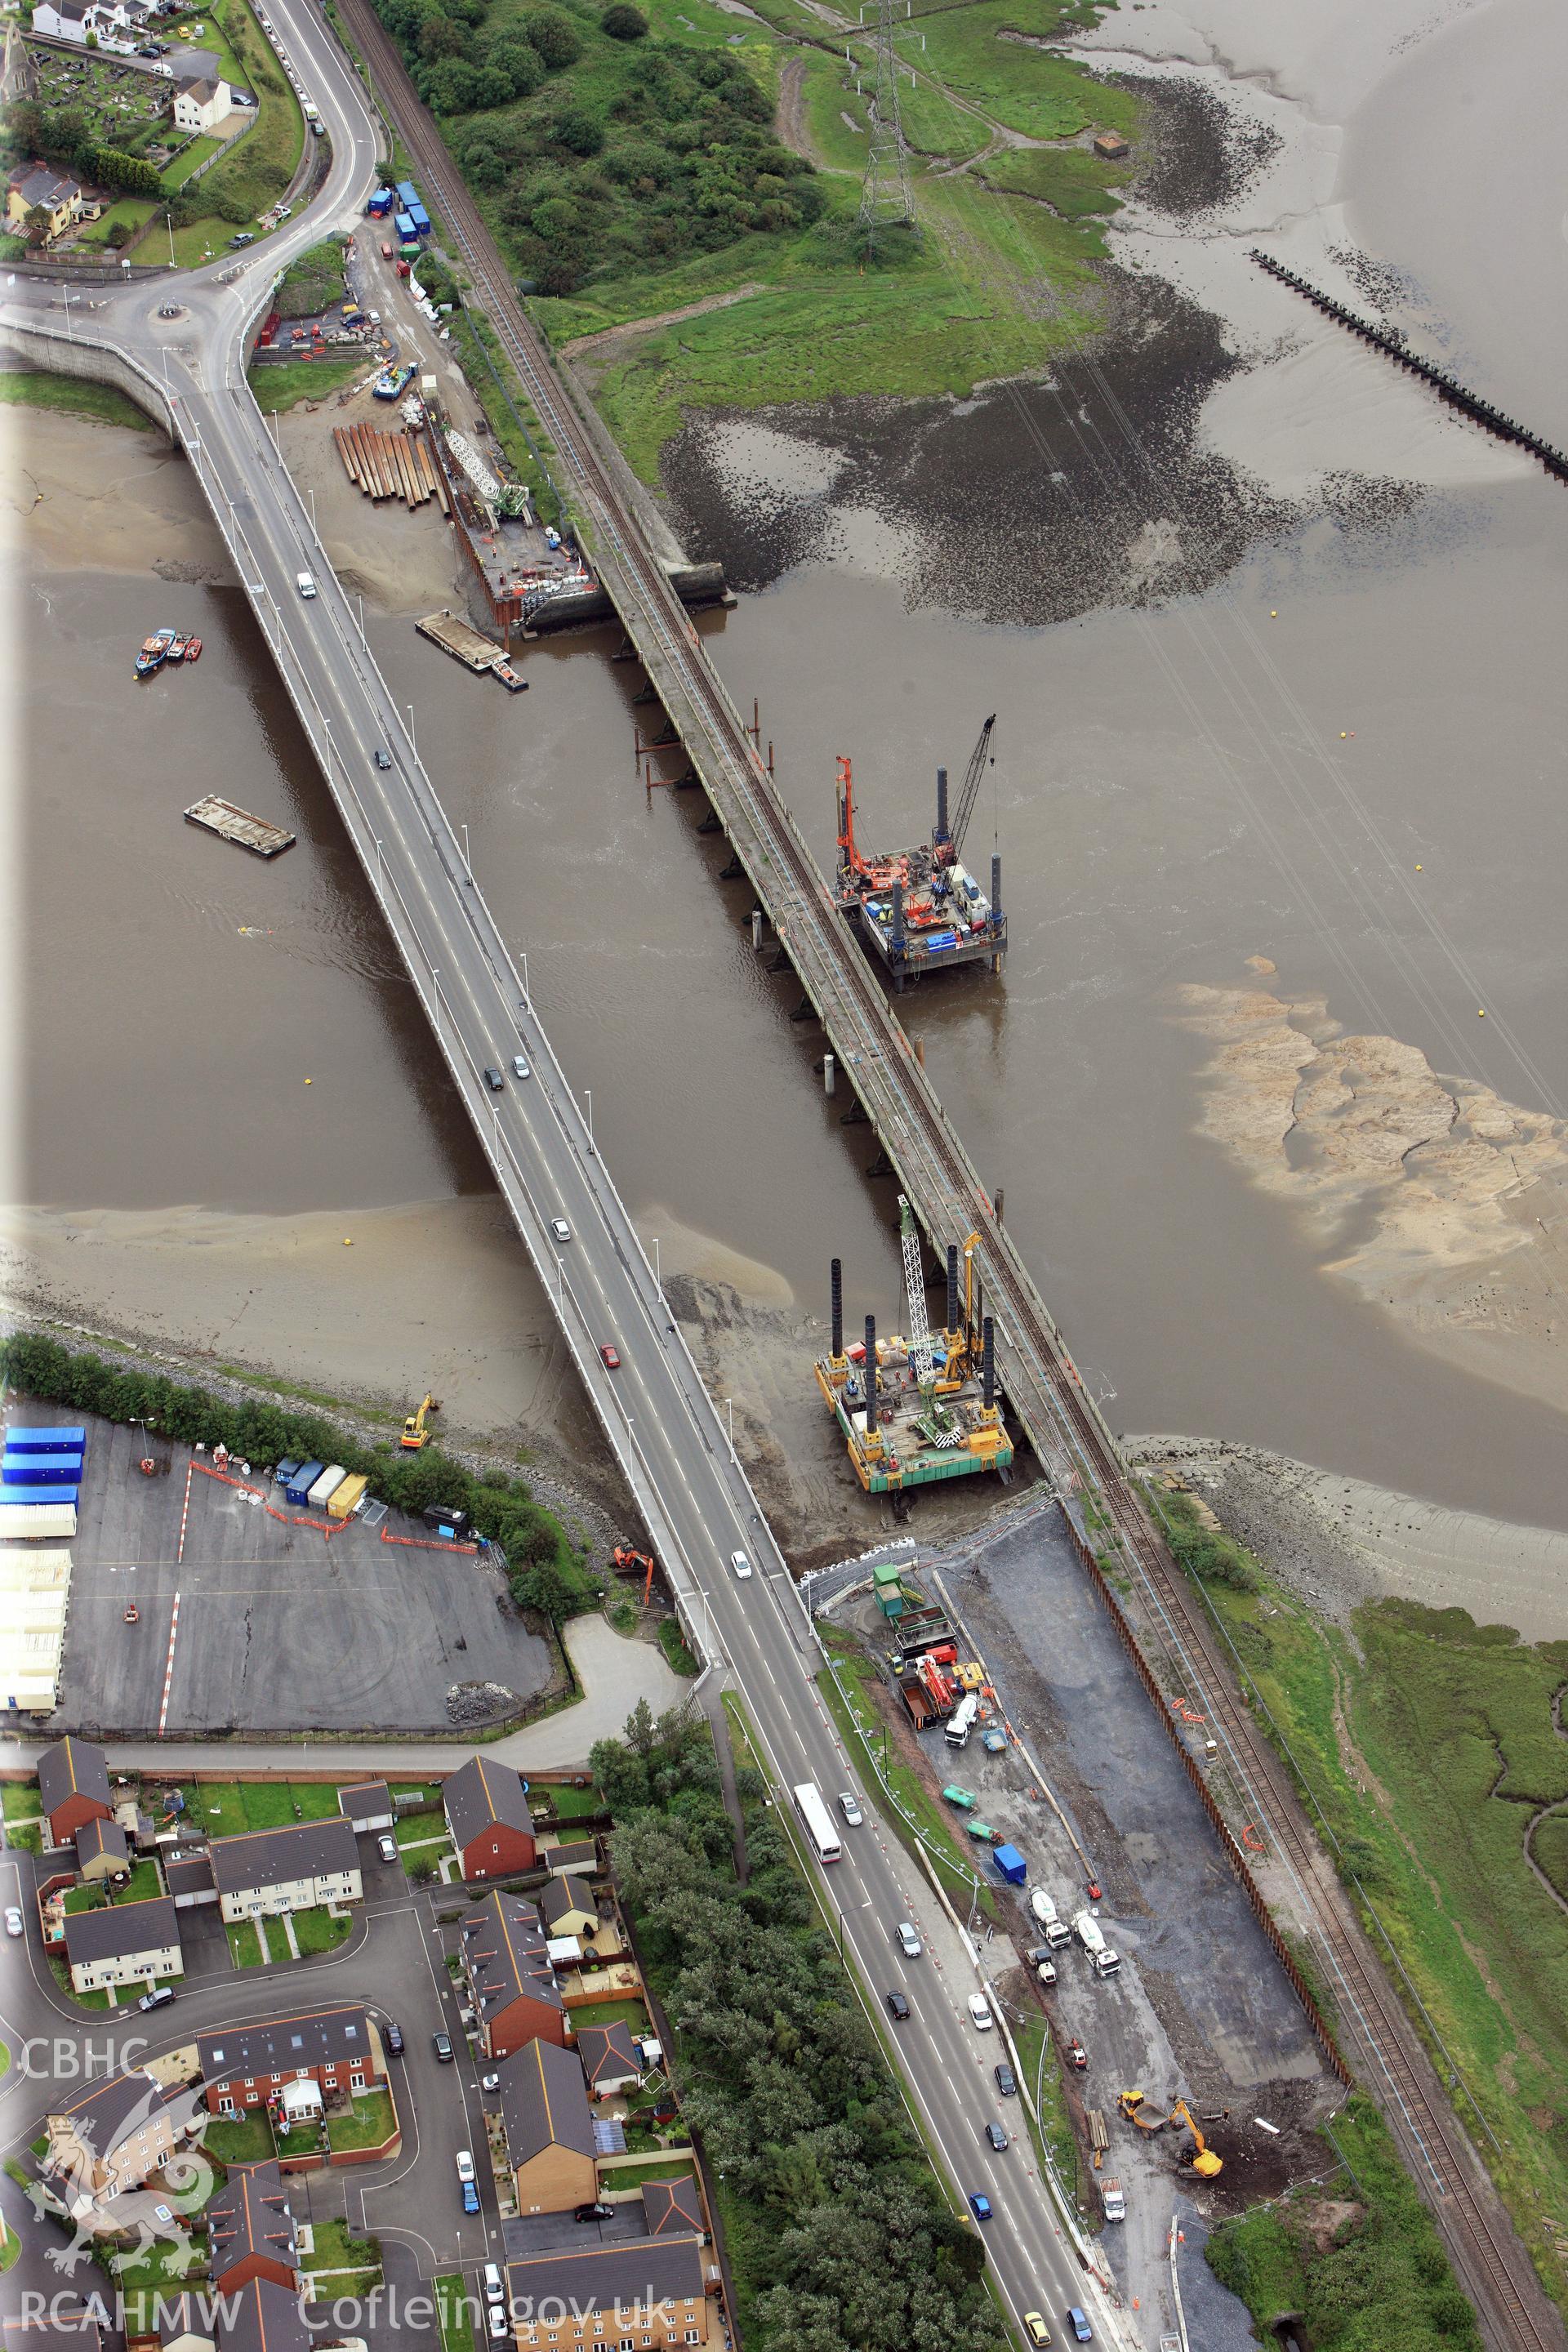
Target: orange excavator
(627, 1560)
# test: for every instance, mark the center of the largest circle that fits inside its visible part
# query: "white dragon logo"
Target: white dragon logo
(139, 2219)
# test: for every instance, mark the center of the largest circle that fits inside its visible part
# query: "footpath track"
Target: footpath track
(1041, 1382)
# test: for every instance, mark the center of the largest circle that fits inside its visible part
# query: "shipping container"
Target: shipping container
(347, 1498)
(284, 1472)
(405, 226)
(45, 1441)
(40, 1469)
(380, 204)
(1011, 1864)
(407, 194)
(299, 1487)
(421, 219)
(39, 1494)
(331, 1479)
(25, 1522)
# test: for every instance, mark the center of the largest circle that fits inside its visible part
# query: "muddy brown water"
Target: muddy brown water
(180, 993)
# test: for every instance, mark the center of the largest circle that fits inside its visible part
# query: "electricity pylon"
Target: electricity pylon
(885, 201)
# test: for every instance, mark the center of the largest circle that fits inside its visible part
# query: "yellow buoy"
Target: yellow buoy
(1342, 736)
(1419, 869)
(1274, 616)
(1481, 1013)
(347, 1243)
(310, 1082)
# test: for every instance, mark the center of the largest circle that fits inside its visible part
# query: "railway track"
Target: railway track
(1042, 1384)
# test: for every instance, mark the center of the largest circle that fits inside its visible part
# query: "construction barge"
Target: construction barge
(921, 910)
(231, 823)
(915, 1411)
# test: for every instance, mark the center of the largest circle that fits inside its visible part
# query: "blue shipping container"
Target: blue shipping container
(404, 226)
(407, 194)
(41, 1493)
(380, 201)
(1011, 1864)
(45, 1441)
(41, 1470)
(299, 1487)
(421, 219)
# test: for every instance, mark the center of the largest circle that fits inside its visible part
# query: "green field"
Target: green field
(224, 1807)
(24, 388)
(313, 282)
(284, 384)
(19, 1799)
(1429, 1748)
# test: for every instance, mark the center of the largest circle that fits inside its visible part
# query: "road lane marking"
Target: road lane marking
(168, 1663)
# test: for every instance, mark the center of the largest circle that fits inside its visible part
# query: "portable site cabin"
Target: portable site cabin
(45, 1441)
(332, 1478)
(1010, 1864)
(297, 1490)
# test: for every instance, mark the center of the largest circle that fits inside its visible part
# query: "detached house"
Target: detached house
(122, 1944)
(201, 102)
(262, 1873)
(548, 2130)
(609, 2058)
(487, 1818)
(512, 1984)
(335, 2049)
(102, 1850)
(251, 2232)
(73, 1777)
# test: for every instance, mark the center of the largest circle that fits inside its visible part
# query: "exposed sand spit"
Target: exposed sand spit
(1440, 1198)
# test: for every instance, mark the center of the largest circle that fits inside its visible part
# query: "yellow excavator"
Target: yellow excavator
(415, 1433)
(1205, 2163)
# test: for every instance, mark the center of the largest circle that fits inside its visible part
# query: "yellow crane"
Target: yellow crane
(415, 1433)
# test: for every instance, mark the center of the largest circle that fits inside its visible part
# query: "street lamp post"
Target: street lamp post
(468, 860)
(411, 730)
(588, 1098)
(658, 1273)
(729, 1411)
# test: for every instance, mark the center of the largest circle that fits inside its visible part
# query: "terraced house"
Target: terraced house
(128, 1943)
(338, 2050)
(262, 1873)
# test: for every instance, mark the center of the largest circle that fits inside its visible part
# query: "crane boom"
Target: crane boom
(920, 1356)
(948, 847)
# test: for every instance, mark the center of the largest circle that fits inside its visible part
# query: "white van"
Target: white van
(494, 2291)
(305, 584)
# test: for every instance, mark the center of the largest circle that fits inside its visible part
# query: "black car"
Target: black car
(1007, 2081)
(383, 757)
(898, 2007)
(494, 1080)
(997, 2138)
(392, 2038)
(443, 2047)
(594, 2213)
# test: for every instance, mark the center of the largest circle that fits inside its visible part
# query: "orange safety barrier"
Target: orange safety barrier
(428, 1543)
(328, 1528)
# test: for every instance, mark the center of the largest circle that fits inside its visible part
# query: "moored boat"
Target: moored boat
(194, 650)
(176, 649)
(154, 652)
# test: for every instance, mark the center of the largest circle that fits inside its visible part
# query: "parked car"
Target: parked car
(850, 1810)
(494, 2284)
(1077, 2320)
(489, 2081)
(442, 2045)
(392, 2038)
(610, 1355)
(980, 2015)
(13, 1920)
(561, 1229)
(600, 2213)
(159, 1998)
(498, 2326)
(997, 2137)
(979, 2205)
(465, 2165)
(1007, 2081)
(909, 1941)
(898, 2007)
(386, 1846)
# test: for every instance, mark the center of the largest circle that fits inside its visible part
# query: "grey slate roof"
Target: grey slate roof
(267, 2319)
(482, 1792)
(119, 1931)
(567, 1894)
(250, 2215)
(601, 2278)
(276, 1857)
(671, 2208)
(544, 2102)
(607, 2051)
(364, 1798)
(98, 1836)
(507, 1956)
(71, 1767)
(192, 1877)
(321, 2037)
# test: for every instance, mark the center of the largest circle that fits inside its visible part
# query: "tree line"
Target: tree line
(837, 2234)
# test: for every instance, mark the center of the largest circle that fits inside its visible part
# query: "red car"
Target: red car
(612, 1356)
